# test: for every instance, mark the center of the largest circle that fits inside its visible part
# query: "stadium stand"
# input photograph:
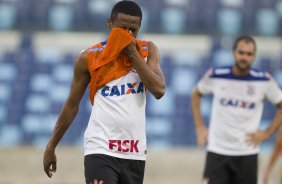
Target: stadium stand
(34, 81)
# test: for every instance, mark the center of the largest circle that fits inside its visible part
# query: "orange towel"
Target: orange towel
(111, 64)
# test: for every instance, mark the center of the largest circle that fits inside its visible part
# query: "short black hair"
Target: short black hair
(246, 38)
(127, 7)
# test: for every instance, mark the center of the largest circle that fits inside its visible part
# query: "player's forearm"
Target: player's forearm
(66, 117)
(196, 109)
(276, 122)
(153, 82)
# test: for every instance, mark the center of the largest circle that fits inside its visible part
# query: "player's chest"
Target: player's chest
(240, 89)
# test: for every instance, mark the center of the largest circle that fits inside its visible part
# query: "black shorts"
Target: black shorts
(99, 168)
(221, 169)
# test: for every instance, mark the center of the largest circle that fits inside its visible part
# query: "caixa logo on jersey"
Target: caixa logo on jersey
(124, 145)
(237, 103)
(124, 89)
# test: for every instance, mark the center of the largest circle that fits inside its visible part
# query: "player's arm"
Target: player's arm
(260, 136)
(151, 73)
(201, 129)
(276, 122)
(79, 84)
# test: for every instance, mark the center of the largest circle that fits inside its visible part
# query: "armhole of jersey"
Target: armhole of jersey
(90, 56)
(146, 44)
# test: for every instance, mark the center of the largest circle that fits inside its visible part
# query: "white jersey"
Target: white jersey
(117, 123)
(237, 108)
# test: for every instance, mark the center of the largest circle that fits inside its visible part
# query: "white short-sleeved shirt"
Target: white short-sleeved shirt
(237, 107)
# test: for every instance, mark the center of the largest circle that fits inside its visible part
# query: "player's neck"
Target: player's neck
(240, 73)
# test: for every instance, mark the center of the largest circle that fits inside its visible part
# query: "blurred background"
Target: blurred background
(40, 40)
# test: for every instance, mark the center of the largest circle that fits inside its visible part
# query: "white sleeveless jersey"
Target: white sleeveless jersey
(237, 108)
(117, 123)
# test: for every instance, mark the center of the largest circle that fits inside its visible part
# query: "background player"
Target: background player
(233, 136)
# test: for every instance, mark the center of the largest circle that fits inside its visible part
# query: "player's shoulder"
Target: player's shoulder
(219, 72)
(98, 47)
(225, 72)
(147, 48)
(145, 44)
(260, 75)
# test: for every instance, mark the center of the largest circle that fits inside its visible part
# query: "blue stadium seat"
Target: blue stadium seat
(3, 114)
(184, 80)
(267, 3)
(58, 93)
(154, 9)
(7, 16)
(267, 22)
(163, 106)
(49, 56)
(269, 110)
(10, 135)
(159, 126)
(40, 141)
(40, 82)
(206, 63)
(278, 77)
(183, 133)
(97, 13)
(38, 103)
(26, 42)
(167, 67)
(5, 93)
(37, 124)
(60, 17)
(177, 3)
(229, 21)
(62, 73)
(223, 57)
(8, 72)
(206, 106)
(69, 58)
(208, 15)
(40, 13)
(265, 63)
(186, 58)
(99, 7)
(145, 21)
(182, 110)
(278, 7)
(173, 20)
(159, 130)
(232, 3)
(32, 123)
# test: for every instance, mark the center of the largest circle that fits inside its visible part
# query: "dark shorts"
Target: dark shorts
(104, 169)
(221, 169)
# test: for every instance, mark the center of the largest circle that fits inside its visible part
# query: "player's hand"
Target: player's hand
(49, 161)
(131, 49)
(202, 136)
(256, 138)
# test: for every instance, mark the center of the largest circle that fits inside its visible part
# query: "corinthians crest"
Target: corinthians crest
(250, 90)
